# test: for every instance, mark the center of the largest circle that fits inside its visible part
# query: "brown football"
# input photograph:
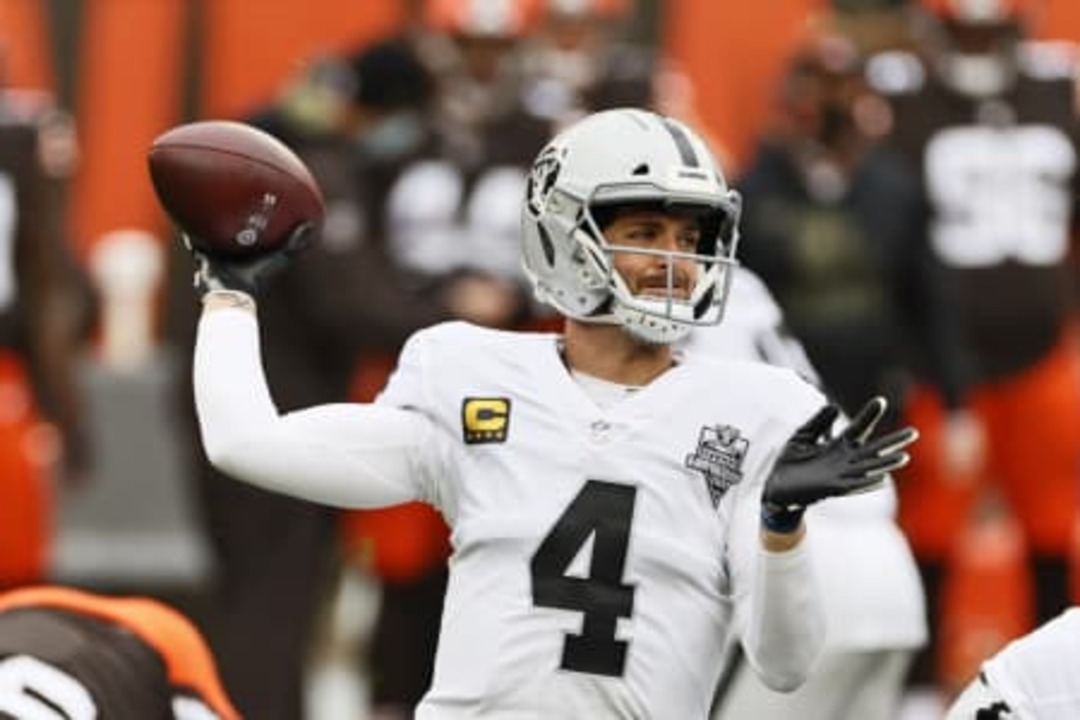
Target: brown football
(233, 189)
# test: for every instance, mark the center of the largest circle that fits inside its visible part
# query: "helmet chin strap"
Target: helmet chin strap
(650, 328)
(653, 328)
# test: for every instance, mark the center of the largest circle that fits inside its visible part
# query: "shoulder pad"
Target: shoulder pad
(1049, 59)
(895, 72)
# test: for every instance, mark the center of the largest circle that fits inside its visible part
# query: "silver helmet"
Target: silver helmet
(626, 157)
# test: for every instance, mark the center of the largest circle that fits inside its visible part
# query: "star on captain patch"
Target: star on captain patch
(719, 457)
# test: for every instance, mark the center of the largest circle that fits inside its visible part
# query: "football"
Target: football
(233, 189)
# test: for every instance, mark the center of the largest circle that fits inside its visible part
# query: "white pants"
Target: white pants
(843, 686)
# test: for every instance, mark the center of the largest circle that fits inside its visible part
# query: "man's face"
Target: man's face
(657, 234)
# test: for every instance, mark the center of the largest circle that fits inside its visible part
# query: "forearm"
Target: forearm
(346, 455)
(786, 627)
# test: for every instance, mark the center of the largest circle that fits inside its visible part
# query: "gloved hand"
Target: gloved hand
(814, 465)
(214, 272)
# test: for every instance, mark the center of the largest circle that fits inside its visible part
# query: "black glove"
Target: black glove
(814, 465)
(246, 275)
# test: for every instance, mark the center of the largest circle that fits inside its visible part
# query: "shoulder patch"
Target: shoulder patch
(485, 420)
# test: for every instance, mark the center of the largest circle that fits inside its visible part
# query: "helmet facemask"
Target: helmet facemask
(627, 159)
(664, 317)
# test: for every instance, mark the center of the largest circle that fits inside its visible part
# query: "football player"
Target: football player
(617, 510)
(47, 308)
(73, 654)
(989, 120)
(1034, 676)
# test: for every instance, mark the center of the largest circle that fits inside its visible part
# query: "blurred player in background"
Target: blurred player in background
(78, 655)
(989, 121)
(579, 61)
(474, 168)
(46, 313)
(582, 58)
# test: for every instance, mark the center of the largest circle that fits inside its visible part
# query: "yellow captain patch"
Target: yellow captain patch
(485, 420)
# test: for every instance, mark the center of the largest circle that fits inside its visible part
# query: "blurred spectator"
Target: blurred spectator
(46, 311)
(72, 654)
(354, 121)
(989, 122)
(836, 228)
(579, 60)
(876, 25)
(582, 59)
(473, 170)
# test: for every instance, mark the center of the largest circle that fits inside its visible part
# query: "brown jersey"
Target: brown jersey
(109, 658)
(1001, 177)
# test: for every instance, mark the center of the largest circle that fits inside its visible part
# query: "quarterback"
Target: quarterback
(618, 509)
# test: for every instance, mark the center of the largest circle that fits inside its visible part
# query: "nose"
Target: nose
(669, 242)
(670, 239)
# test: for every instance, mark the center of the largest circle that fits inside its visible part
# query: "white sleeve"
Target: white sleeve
(779, 613)
(348, 455)
(785, 627)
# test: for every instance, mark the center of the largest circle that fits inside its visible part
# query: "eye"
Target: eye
(641, 233)
(688, 241)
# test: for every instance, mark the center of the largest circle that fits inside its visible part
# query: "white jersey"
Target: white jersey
(601, 557)
(854, 537)
(1039, 674)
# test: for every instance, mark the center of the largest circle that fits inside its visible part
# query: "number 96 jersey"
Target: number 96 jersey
(602, 557)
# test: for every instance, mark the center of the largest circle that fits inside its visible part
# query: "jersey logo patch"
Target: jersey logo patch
(485, 420)
(719, 457)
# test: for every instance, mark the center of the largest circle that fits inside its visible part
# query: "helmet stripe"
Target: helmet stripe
(682, 142)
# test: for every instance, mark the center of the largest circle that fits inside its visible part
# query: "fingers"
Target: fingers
(862, 426)
(892, 442)
(299, 238)
(876, 468)
(882, 456)
(818, 425)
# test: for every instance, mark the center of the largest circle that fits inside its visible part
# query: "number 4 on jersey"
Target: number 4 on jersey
(603, 511)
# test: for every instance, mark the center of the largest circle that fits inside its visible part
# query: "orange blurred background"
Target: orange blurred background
(143, 66)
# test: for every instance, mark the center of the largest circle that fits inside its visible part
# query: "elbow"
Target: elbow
(785, 670)
(219, 455)
(784, 675)
(784, 682)
(228, 454)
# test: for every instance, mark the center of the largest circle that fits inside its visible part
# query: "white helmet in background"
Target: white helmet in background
(625, 157)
